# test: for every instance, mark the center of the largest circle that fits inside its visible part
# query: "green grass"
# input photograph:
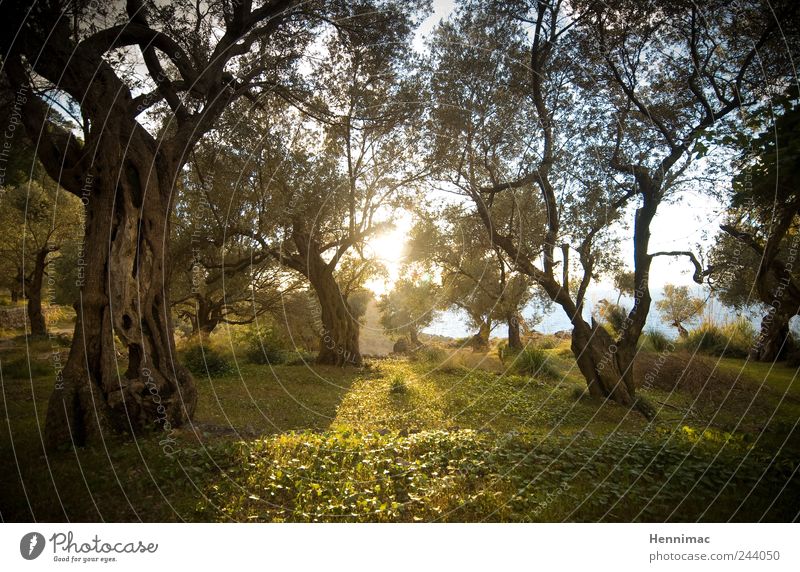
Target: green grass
(409, 441)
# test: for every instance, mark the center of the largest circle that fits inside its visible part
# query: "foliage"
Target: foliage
(454, 447)
(678, 307)
(263, 343)
(24, 368)
(658, 340)
(532, 360)
(203, 360)
(409, 307)
(732, 339)
(398, 384)
(37, 218)
(612, 315)
(476, 278)
(347, 476)
(430, 354)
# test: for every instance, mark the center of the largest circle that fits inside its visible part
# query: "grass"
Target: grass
(405, 440)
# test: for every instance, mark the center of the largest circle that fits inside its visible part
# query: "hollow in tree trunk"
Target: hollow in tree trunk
(123, 305)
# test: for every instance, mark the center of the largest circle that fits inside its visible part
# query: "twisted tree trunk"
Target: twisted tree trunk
(774, 340)
(338, 329)
(123, 296)
(33, 291)
(514, 338)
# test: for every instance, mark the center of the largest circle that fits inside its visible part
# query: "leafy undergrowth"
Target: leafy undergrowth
(408, 441)
(469, 476)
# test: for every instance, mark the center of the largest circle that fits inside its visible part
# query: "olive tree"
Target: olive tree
(180, 65)
(611, 100)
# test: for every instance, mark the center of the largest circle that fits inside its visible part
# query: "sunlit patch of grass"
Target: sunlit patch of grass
(466, 476)
(333, 444)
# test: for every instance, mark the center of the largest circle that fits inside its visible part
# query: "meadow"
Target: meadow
(445, 434)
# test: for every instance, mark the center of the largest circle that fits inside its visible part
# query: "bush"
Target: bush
(204, 360)
(298, 357)
(263, 344)
(547, 342)
(733, 339)
(742, 335)
(532, 361)
(706, 338)
(398, 384)
(658, 340)
(431, 355)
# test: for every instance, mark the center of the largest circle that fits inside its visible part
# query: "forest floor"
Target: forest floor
(404, 440)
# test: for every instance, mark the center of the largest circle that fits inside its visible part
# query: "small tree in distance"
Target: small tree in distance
(409, 308)
(678, 307)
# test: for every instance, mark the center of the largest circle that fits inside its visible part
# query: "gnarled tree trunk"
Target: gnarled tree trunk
(514, 338)
(774, 340)
(206, 317)
(480, 341)
(33, 291)
(338, 328)
(607, 366)
(123, 296)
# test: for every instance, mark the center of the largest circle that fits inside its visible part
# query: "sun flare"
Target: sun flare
(388, 248)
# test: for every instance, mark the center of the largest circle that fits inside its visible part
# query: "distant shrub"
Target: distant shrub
(733, 339)
(299, 357)
(658, 340)
(742, 335)
(547, 342)
(204, 360)
(532, 361)
(707, 338)
(565, 352)
(459, 342)
(432, 355)
(263, 344)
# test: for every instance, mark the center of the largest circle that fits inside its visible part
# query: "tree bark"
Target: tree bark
(338, 329)
(480, 341)
(774, 341)
(123, 296)
(606, 366)
(514, 339)
(205, 319)
(336, 325)
(34, 293)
